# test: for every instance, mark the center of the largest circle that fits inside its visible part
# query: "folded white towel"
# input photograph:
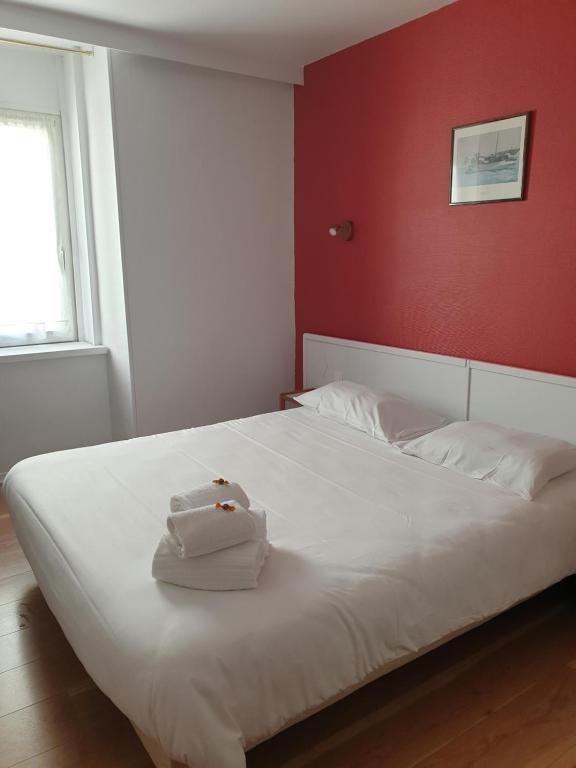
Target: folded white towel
(207, 529)
(259, 517)
(233, 568)
(209, 493)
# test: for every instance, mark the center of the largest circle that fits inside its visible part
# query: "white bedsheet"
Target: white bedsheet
(375, 556)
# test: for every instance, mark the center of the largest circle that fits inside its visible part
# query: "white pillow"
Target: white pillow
(521, 462)
(381, 414)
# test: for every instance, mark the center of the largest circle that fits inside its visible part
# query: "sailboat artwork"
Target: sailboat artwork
(494, 159)
(488, 161)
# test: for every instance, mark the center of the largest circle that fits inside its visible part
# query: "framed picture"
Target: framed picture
(489, 160)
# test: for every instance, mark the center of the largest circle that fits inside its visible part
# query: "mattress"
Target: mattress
(375, 556)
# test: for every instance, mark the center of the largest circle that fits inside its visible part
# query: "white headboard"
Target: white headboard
(455, 387)
(436, 381)
(523, 399)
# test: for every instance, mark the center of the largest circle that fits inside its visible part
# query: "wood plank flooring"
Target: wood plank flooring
(502, 696)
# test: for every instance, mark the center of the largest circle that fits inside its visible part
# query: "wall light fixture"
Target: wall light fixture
(344, 230)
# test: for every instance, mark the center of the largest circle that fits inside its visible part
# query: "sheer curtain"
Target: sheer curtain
(36, 281)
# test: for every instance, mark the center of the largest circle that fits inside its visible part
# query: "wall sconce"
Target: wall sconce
(345, 230)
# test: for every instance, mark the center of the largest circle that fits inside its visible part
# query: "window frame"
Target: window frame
(63, 220)
(80, 244)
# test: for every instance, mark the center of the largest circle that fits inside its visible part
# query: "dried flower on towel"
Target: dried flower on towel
(226, 507)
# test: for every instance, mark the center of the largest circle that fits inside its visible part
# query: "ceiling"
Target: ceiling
(274, 36)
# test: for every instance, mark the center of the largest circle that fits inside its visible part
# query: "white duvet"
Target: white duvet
(375, 556)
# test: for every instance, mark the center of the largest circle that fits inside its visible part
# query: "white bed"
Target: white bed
(376, 556)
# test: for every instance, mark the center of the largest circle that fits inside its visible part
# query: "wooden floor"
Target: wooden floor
(502, 696)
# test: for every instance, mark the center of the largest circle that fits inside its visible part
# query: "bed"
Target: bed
(377, 557)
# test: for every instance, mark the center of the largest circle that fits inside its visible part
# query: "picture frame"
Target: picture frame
(488, 160)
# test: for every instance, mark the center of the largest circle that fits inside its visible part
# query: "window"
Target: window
(37, 304)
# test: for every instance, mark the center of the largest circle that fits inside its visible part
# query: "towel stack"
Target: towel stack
(214, 540)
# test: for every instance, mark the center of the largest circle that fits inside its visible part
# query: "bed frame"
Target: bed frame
(455, 387)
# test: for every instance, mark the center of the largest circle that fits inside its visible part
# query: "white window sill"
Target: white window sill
(45, 351)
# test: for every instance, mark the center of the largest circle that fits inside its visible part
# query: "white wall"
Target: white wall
(51, 404)
(204, 163)
(197, 306)
(94, 98)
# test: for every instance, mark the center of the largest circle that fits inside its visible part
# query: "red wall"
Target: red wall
(492, 282)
